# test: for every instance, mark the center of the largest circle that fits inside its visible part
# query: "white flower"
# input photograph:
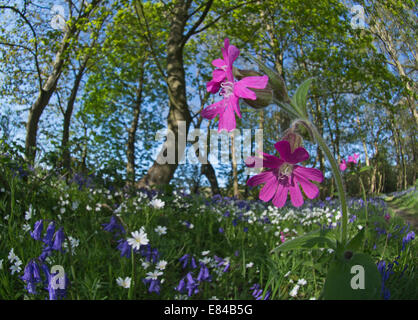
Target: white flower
(360, 227)
(213, 298)
(75, 205)
(157, 204)
(153, 275)
(29, 213)
(302, 282)
(139, 238)
(287, 274)
(161, 265)
(15, 269)
(145, 264)
(26, 227)
(294, 291)
(12, 257)
(249, 265)
(161, 230)
(125, 283)
(62, 210)
(205, 260)
(1, 264)
(88, 208)
(205, 253)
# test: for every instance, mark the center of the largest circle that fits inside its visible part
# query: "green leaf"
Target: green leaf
(315, 239)
(356, 278)
(365, 168)
(300, 97)
(356, 242)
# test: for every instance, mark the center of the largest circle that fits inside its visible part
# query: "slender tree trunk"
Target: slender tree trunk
(46, 90)
(208, 170)
(161, 174)
(130, 151)
(66, 157)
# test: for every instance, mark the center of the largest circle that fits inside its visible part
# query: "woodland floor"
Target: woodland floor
(405, 213)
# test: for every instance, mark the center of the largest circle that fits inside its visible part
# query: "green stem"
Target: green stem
(363, 190)
(131, 288)
(335, 171)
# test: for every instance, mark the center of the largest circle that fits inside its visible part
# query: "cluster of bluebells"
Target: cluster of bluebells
(52, 241)
(386, 270)
(138, 244)
(190, 282)
(257, 292)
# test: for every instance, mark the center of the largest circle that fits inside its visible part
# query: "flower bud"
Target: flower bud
(294, 139)
(264, 96)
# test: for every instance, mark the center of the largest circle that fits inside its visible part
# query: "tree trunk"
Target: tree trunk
(46, 90)
(130, 151)
(66, 157)
(161, 174)
(209, 172)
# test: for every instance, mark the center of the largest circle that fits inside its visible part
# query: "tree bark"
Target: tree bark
(161, 174)
(66, 157)
(130, 151)
(42, 101)
(208, 170)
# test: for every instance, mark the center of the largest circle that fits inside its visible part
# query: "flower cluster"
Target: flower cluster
(230, 90)
(283, 175)
(52, 241)
(351, 159)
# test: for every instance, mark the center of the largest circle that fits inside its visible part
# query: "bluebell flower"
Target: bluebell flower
(245, 229)
(221, 230)
(154, 285)
(49, 234)
(124, 248)
(113, 225)
(192, 286)
(37, 230)
(181, 286)
(193, 263)
(184, 260)
(204, 273)
(58, 240)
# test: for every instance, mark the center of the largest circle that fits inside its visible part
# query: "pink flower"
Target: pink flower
(230, 90)
(343, 165)
(282, 237)
(353, 158)
(283, 176)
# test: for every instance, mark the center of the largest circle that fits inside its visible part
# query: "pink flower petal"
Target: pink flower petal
(270, 161)
(233, 53)
(269, 189)
(227, 118)
(254, 162)
(219, 63)
(234, 102)
(256, 82)
(213, 86)
(296, 195)
(309, 173)
(213, 110)
(283, 148)
(300, 154)
(259, 178)
(310, 189)
(218, 75)
(240, 90)
(279, 199)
